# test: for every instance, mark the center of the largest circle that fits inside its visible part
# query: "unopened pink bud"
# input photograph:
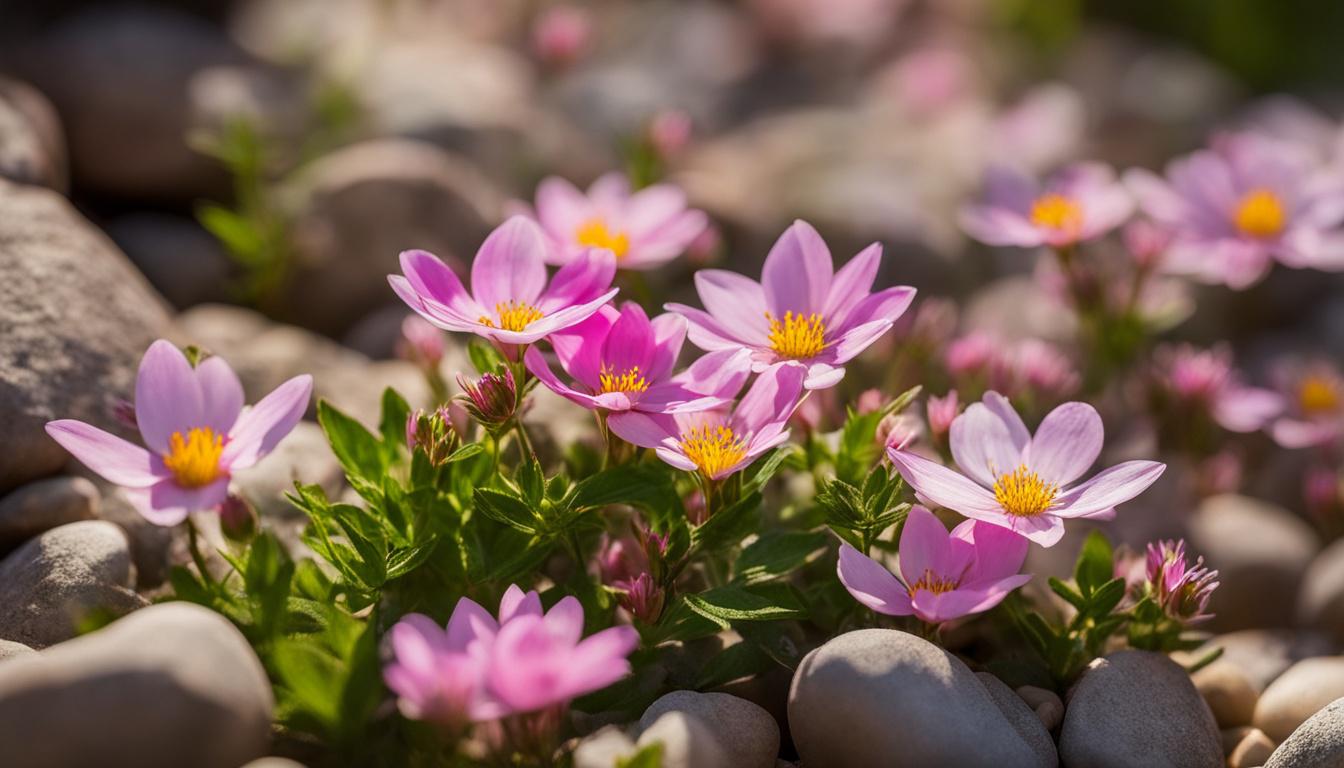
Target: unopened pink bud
(669, 132)
(561, 35)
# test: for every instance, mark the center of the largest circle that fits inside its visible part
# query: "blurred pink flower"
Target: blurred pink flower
(644, 229)
(704, 249)
(1080, 203)
(511, 302)
(561, 34)
(899, 430)
(1205, 378)
(1020, 481)
(942, 576)
(802, 313)
(941, 411)
(930, 79)
(970, 354)
(196, 429)
(1313, 397)
(1146, 242)
(420, 343)
(669, 132)
(1242, 204)
(1321, 492)
(1042, 368)
(870, 401)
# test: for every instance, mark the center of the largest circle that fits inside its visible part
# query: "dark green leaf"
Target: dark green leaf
(735, 662)
(393, 422)
(733, 603)
(647, 757)
(1095, 563)
(506, 508)
(484, 357)
(778, 553)
(1068, 593)
(358, 451)
(727, 527)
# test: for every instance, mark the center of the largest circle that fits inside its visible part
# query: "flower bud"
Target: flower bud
(420, 343)
(433, 433)
(237, 519)
(941, 411)
(561, 35)
(492, 399)
(1180, 588)
(643, 598)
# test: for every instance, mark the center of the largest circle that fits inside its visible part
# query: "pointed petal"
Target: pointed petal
(565, 619)
(871, 584)
(221, 395)
(469, 622)
(629, 343)
(642, 429)
(772, 398)
(924, 547)
(706, 332)
(579, 281)
(669, 333)
(517, 603)
(433, 281)
(943, 487)
(116, 460)
(737, 303)
(265, 424)
(852, 284)
(1108, 488)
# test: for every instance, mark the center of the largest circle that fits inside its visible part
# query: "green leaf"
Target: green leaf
(484, 357)
(531, 481)
(392, 425)
(647, 486)
(506, 508)
(1067, 592)
(359, 452)
(734, 603)
(406, 559)
(760, 472)
(778, 553)
(312, 677)
(1105, 598)
(650, 756)
(727, 527)
(236, 232)
(1095, 565)
(735, 662)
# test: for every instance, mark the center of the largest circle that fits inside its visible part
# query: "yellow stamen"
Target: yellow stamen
(1022, 493)
(594, 234)
(194, 461)
(797, 337)
(629, 381)
(934, 583)
(1317, 395)
(513, 315)
(1057, 212)
(1260, 214)
(713, 449)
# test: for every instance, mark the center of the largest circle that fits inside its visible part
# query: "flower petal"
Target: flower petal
(669, 333)
(983, 444)
(221, 394)
(1066, 444)
(565, 619)
(114, 459)
(470, 622)
(772, 398)
(435, 282)
(706, 332)
(945, 488)
(736, 302)
(265, 424)
(642, 429)
(168, 503)
(1108, 488)
(797, 273)
(599, 661)
(871, 584)
(579, 281)
(517, 603)
(167, 396)
(510, 265)
(924, 547)
(964, 601)
(999, 551)
(852, 284)
(536, 363)
(629, 343)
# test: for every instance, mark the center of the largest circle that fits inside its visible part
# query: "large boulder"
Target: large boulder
(170, 686)
(883, 697)
(76, 318)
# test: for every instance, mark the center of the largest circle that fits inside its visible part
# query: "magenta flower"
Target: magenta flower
(1205, 379)
(719, 442)
(196, 429)
(1313, 397)
(943, 576)
(1079, 203)
(621, 361)
(1238, 206)
(481, 669)
(1181, 589)
(492, 399)
(510, 301)
(1020, 481)
(802, 312)
(644, 229)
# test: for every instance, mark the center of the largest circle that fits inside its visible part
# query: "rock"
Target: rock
(1017, 308)
(883, 697)
(119, 77)
(357, 208)
(1317, 743)
(1231, 737)
(1298, 694)
(603, 748)
(32, 147)
(12, 650)
(151, 545)
(687, 742)
(303, 456)
(1228, 692)
(1028, 725)
(172, 685)
(1137, 708)
(76, 318)
(178, 256)
(747, 733)
(43, 505)
(1261, 552)
(1046, 704)
(1252, 751)
(274, 762)
(50, 584)
(1320, 604)
(1263, 654)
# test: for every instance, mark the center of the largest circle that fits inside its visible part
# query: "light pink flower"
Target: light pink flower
(1313, 397)
(420, 343)
(941, 412)
(669, 132)
(481, 669)
(1205, 379)
(510, 302)
(1242, 204)
(970, 354)
(1080, 203)
(719, 442)
(197, 431)
(1146, 242)
(644, 229)
(561, 34)
(942, 576)
(620, 361)
(802, 313)
(1024, 482)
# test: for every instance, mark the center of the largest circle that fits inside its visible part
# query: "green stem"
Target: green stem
(193, 545)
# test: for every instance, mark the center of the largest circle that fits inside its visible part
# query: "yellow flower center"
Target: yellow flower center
(796, 336)
(194, 460)
(713, 449)
(628, 381)
(1057, 212)
(934, 583)
(513, 315)
(1260, 214)
(594, 234)
(1022, 493)
(1317, 394)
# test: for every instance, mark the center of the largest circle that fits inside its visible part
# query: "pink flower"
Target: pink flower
(802, 312)
(510, 301)
(969, 354)
(1023, 482)
(1146, 242)
(197, 431)
(622, 361)
(561, 34)
(1181, 589)
(1313, 397)
(1204, 378)
(420, 343)
(719, 442)
(669, 132)
(644, 229)
(1080, 203)
(1240, 205)
(492, 399)
(942, 576)
(478, 669)
(941, 411)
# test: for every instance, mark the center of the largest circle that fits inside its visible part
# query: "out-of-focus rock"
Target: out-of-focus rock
(1320, 604)
(36, 507)
(12, 650)
(304, 456)
(1317, 743)
(1228, 691)
(1261, 552)
(32, 146)
(76, 318)
(745, 732)
(1251, 751)
(1045, 703)
(1262, 654)
(151, 545)
(178, 256)
(1298, 694)
(688, 742)
(603, 748)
